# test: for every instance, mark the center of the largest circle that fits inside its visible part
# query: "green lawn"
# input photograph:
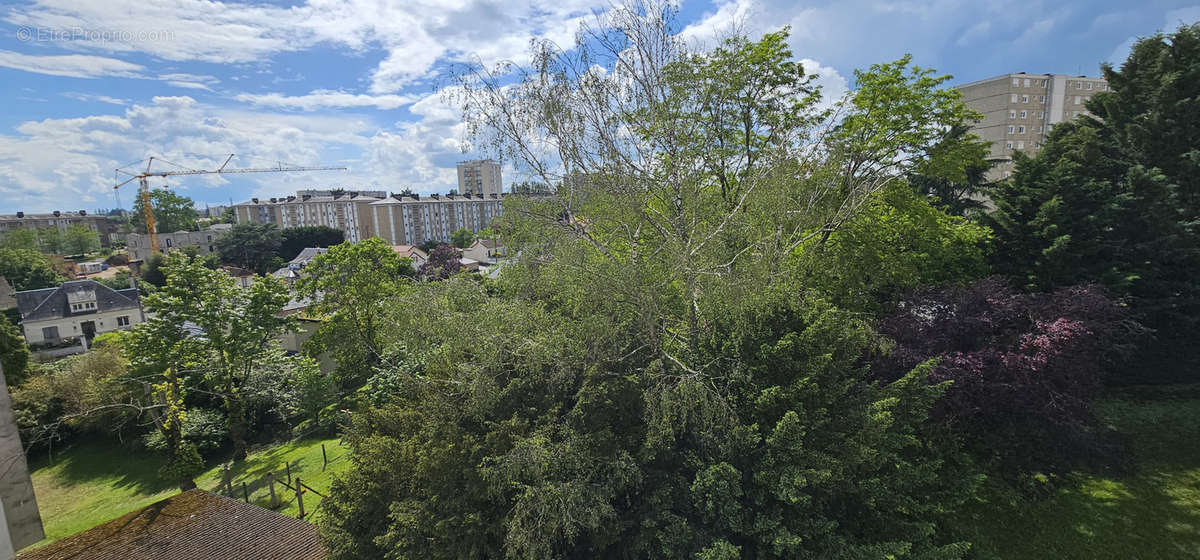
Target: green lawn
(89, 484)
(1151, 515)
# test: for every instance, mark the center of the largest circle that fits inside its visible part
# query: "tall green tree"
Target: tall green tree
(21, 239)
(462, 238)
(250, 246)
(654, 376)
(348, 285)
(27, 269)
(294, 240)
(80, 239)
(1113, 198)
(239, 327)
(14, 354)
(172, 212)
(52, 240)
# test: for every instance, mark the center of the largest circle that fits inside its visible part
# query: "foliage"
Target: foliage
(348, 285)
(26, 269)
(462, 238)
(442, 263)
(14, 354)
(429, 246)
(51, 240)
(1026, 368)
(152, 270)
(80, 239)
(228, 216)
(955, 173)
(20, 239)
(1112, 199)
(898, 242)
(294, 240)
(653, 377)
(172, 212)
(117, 259)
(316, 390)
(250, 246)
(205, 429)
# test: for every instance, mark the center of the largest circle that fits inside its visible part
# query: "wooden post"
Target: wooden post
(300, 497)
(324, 458)
(245, 492)
(228, 480)
(289, 471)
(271, 488)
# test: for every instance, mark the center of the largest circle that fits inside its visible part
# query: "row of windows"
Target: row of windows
(83, 306)
(1021, 129)
(1017, 82)
(1020, 145)
(1012, 114)
(1078, 84)
(1014, 98)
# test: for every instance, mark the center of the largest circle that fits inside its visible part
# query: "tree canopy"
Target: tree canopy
(172, 212)
(251, 246)
(27, 269)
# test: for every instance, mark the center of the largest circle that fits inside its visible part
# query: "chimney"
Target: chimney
(83, 212)
(291, 198)
(306, 197)
(274, 200)
(435, 196)
(57, 213)
(20, 214)
(254, 200)
(416, 196)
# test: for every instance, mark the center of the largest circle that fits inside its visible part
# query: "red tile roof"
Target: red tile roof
(194, 525)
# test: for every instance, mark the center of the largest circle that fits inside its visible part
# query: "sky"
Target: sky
(87, 86)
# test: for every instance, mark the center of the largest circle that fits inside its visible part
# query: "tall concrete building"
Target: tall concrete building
(60, 221)
(344, 210)
(480, 177)
(20, 523)
(1020, 109)
(413, 220)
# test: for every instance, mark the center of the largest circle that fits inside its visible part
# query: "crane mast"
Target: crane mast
(144, 185)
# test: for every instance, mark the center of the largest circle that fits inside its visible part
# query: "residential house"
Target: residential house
(193, 525)
(79, 308)
(416, 255)
(242, 276)
(484, 250)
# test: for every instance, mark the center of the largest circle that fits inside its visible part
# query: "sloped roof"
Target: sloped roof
(307, 255)
(51, 303)
(409, 251)
(194, 525)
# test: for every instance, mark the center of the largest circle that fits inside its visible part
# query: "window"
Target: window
(1078, 85)
(1039, 129)
(123, 321)
(1042, 99)
(168, 243)
(1077, 99)
(1024, 114)
(1012, 114)
(1016, 82)
(1011, 129)
(1089, 86)
(1041, 115)
(1020, 130)
(1013, 98)
(1024, 99)
(50, 334)
(1009, 144)
(1026, 82)
(1020, 144)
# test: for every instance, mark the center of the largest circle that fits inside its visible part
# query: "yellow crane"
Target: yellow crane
(144, 185)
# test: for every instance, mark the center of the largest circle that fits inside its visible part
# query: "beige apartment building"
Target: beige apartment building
(1020, 109)
(348, 211)
(413, 220)
(205, 241)
(60, 221)
(480, 177)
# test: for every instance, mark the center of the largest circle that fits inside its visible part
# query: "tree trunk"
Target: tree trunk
(237, 426)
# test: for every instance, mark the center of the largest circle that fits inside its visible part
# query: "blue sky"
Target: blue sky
(90, 85)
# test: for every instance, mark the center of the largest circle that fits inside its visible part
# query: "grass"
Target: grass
(92, 483)
(1153, 514)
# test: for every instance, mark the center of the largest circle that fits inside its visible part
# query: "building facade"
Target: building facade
(347, 211)
(1020, 109)
(480, 177)
(20, 523)
(60, 221)
(414, 220)
(79, 308)
(205, 241)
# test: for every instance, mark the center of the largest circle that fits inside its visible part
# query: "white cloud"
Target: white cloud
(91, 97)
(320, 99)
(71, 65)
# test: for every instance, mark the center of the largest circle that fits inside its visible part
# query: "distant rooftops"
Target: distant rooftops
(372, 197)
(48, 215)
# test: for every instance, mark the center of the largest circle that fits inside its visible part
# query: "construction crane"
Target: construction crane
(144, 185)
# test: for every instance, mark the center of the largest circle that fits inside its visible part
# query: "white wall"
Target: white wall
(69, 327)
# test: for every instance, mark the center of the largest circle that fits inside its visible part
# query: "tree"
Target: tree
(52, 240)
(152, 270)
(348, 285)
(20, 239)
(80, 239)
(27, 269)
(462, 238)
(172, 212)
(1026, 369)
(955, 174)
(239, 325)
(250, 246)
(1112, 198)
(443, 263)
(14, 354)
(653, 376)
(294, 240)
(228, 216)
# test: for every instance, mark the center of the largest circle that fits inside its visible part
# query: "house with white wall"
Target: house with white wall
(76, 309)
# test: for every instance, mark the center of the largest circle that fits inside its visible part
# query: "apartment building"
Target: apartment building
(413, 220)
(480, 177)
(1020, 109)
(61, 221)
(348, 211)
(205, 241)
